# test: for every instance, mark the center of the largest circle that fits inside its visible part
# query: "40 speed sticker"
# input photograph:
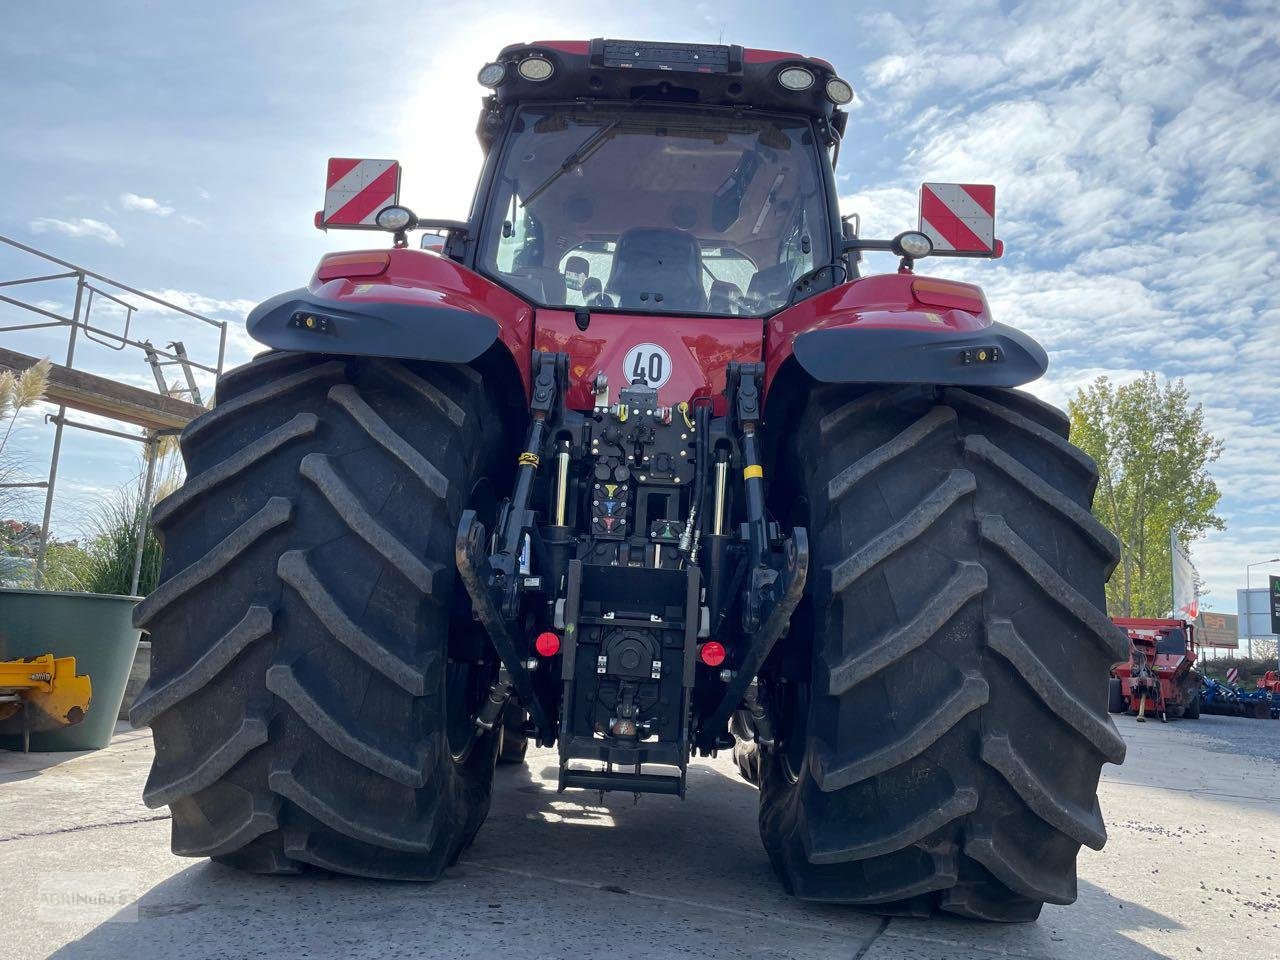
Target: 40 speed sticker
(648, 363)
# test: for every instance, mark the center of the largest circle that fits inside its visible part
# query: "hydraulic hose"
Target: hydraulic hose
(694, 523)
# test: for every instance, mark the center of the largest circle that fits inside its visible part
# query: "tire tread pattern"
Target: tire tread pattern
(955, 735)
(297, 690)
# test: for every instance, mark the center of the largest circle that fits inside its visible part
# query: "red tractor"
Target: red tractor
(1160, 675)
(637, 464)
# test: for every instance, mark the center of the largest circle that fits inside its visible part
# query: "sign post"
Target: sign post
(1218, 630)
(1186, 593)
(1274, 598)
(1274, 594)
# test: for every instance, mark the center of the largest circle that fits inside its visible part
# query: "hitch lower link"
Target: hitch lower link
(493, 581)
(773, 589)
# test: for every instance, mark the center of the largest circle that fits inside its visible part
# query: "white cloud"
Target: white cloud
(131, 201)
(435, 182)
(80, 227)
(882, 211)
(240, 346)
(1136, 185)
(216, 307)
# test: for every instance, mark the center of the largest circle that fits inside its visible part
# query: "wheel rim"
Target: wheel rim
(795, 696)
(792, 749)
(466, 685)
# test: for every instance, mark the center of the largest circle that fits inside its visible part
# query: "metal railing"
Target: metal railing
(94, 288)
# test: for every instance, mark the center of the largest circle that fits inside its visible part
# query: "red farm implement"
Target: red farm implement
(1159, 676)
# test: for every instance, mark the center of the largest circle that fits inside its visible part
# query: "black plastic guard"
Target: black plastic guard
(375, 329)
(999, 356)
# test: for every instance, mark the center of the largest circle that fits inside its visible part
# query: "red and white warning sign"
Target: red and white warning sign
(357, 189)
(1232, 675)
(959, 217)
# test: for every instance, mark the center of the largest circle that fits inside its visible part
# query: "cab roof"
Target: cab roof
(712, 74)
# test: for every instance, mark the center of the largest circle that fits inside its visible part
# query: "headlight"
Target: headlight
(796, 79)
(839, 92)
(913, 244)
(394, 218)
(536, 68)
(492, 74)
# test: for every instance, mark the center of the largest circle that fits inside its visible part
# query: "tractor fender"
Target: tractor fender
(400, 303)
(901, 328)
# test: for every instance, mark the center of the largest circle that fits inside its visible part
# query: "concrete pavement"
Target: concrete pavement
(1191, 871)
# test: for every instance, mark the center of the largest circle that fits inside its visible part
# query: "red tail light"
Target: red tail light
(711, 653)
(547, 644)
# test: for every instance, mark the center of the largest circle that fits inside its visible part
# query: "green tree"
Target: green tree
(1153, 453)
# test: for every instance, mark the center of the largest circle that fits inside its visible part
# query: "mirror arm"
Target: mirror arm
(456, 231)
(857, 243)
(453, 226)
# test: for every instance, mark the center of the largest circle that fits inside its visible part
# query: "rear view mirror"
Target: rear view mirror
(960, 219)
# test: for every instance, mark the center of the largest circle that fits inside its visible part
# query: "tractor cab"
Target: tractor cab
(655, 178)
(685, 188)
(670, 208)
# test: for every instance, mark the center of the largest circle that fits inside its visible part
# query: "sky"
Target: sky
(180, 148)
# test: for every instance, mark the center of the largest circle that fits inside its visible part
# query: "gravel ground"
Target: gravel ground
(1244, 738)
(87, 869)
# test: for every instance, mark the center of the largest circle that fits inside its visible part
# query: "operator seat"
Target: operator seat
(593, 293)
(724, 297)
(658, 269)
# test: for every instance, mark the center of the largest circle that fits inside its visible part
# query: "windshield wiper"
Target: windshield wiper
(581, 153)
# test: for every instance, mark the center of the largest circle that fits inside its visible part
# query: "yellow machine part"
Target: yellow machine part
(42, 693)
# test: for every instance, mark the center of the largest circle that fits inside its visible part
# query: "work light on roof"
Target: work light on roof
(492, 74)
(535, 68)
(839, 92)
(796, 79)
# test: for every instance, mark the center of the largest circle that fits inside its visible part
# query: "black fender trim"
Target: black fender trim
(403, 331)
(853, 355)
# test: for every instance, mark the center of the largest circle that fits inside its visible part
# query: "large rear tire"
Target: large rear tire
(314, 671)
(941, 747)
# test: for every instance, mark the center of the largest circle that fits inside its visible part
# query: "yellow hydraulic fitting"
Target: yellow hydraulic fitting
(683, 407)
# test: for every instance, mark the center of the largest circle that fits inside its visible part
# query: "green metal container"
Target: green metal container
(94, 628)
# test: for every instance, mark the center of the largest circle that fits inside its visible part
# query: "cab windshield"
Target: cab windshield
(657, 209)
